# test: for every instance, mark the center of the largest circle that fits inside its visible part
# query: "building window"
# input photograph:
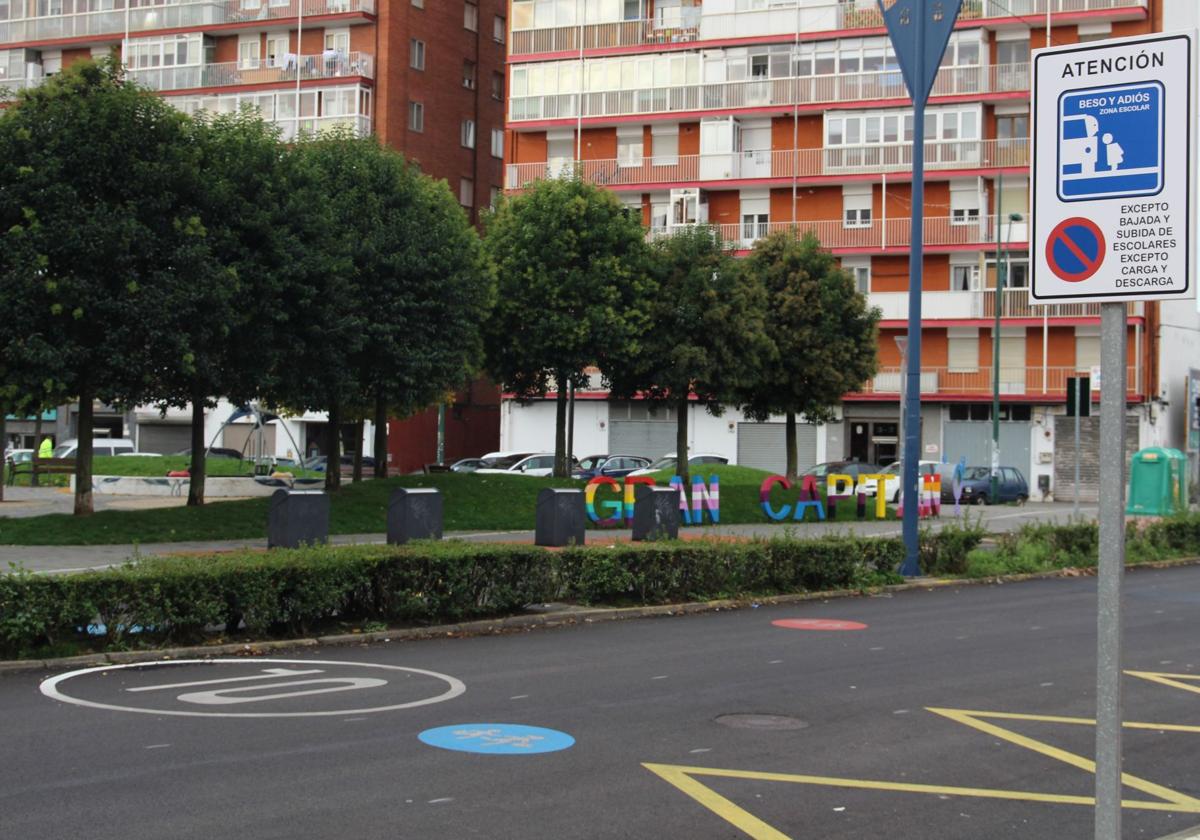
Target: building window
(754, 226)
(629, 147)
(499, 29)
(416, 54)
(495, 196)
(498, 86)
(249, 53)
(466, 192)
(860, 270)
(856, 206)
(666, 145)
(468, 133)
(962, 353)
(416, 116)
(471, 16)
(420, 4)
(498, 142)
(468, 75)
(964, 278)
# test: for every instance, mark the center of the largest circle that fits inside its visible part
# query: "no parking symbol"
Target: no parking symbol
(1075, 249)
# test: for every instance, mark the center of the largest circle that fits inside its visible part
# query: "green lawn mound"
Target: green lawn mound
(471, 503)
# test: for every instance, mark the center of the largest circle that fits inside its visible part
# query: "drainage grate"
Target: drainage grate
(764, 722)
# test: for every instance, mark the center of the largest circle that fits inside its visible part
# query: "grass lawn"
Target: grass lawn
(472, 502)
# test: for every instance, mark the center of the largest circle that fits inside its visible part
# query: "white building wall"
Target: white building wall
(1041, 450)
(713, 435)
(529, 427)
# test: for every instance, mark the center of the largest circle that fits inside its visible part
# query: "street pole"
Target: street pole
(570, 425)
(1111, 569)
(995, 493)
(1079, 398)
(441, 434)
(919, 31)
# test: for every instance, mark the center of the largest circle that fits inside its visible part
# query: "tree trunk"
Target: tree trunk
(199, 466)
(333, 445)
(381, 438)
(358, 447)
(793, 465)
(3, 448)
(681, 439)
(561, 469)
(37, 446)
(83, 456)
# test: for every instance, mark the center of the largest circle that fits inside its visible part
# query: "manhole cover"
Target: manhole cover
(772, 722)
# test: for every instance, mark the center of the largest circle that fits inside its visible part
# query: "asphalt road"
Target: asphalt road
(868, 759)
(78, 558)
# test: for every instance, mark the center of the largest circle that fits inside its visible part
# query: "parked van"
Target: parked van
(100, 446)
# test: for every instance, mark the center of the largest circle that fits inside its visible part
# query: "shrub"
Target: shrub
(945, 552)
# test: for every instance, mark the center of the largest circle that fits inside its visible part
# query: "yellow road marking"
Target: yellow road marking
(1171, 680)
(725, 809)
(1078, 721)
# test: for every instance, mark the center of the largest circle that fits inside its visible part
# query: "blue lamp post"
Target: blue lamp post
(919, 31)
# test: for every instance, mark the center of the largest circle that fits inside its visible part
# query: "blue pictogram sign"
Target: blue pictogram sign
(497, 738)
(1110, 142)
(1075, 249)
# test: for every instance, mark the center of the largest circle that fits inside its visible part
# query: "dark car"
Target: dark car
(977, 486)
(613, 466)
(215, 452)
(318, 463)
(851, 468)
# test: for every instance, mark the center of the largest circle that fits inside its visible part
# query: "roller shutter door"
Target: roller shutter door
(648, 438)
(974, 440)
(762, 446)
(163, 438)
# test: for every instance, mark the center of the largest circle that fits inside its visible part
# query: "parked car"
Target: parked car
(540, 464)
(851, 468)
(214, 452)
(891, 486)
(19, 456)
(100, 447)
(613, 466)
(668, 461)
(318, 463)
(977, 486)
(466, 465)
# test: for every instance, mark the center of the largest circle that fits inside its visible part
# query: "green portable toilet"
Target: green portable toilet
(1158, 483)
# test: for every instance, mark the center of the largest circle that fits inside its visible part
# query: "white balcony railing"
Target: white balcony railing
(231, 73)
(779, 164)
(109, 17)
(756, 93)
(779, 16)
(1031, 380)
(981, 304)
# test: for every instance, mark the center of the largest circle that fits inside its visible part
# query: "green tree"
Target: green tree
(570, 266)
(826, 336)
(706, 337)
(430, 288)
(224, 312)
(93, 220)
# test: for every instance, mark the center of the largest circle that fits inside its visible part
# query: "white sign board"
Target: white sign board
(1114, 170)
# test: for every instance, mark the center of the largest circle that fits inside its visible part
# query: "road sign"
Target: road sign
(1113, 170)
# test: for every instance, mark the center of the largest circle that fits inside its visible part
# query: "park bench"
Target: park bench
(41, 467)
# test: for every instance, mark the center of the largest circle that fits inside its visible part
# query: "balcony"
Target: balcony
(779, 164)
(781, 18)
(110, 22)
(763, 93)
(981, 305)
(259, 72)
(884, 234)
(1028, 381)
(10, 87)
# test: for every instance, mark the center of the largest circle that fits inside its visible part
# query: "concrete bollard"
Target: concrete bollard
(414, 514)
(655, 513)
(560, 517)
(297, 518)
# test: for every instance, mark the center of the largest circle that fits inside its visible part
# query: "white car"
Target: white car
(667, 462)
(891, 484)
(541, 464)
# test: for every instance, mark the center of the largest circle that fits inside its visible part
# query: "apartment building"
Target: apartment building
(765, 115)
(426, 76)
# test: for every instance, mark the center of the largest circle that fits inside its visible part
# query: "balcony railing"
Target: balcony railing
(232, 73)
(147, 15)
(756, 93)
(780, 17)
(881, 235)
(10, 87)
(981, 304)
(1031, 380)
(779, 164)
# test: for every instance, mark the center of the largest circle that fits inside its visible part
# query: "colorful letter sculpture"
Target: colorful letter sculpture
(620, 510)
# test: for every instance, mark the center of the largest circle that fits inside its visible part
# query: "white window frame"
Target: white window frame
(416, 53)
(416, 116)
(630, 147)
(860, 269)
(470, 16)
(498, 143)
(466, 192)
(467, 134)
(962, 349)
(249, 52)
(857, 204)
(499, 29)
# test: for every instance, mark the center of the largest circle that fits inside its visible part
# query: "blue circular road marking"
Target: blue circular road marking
(497, 738)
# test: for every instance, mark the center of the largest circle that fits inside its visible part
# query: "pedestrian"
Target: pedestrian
(46, 450)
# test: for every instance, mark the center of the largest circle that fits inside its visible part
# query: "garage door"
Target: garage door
(163, 438)
(1089, 465)
(762, 445)
(974, 440)
(648, 438)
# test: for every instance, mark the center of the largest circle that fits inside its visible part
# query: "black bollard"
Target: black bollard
(560, 517)
(297, 518)
(414, 514)
(655, 513)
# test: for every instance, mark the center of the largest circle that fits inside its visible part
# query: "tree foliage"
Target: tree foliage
(825, 334)
(570, 264)
(705, 338)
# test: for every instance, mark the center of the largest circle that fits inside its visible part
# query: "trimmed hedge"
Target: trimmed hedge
(164, 601)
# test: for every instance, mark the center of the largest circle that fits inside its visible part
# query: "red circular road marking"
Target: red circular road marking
(818, 624)
(1061, 235)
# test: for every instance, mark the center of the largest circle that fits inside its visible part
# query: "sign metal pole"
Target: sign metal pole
(919, 31)
(1078, 408)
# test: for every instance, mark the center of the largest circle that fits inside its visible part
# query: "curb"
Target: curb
(561, 618)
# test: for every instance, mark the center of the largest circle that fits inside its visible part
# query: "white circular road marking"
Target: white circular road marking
(455, 687)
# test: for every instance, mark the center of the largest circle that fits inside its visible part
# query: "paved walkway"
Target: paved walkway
(38, 501)
(79, 558)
